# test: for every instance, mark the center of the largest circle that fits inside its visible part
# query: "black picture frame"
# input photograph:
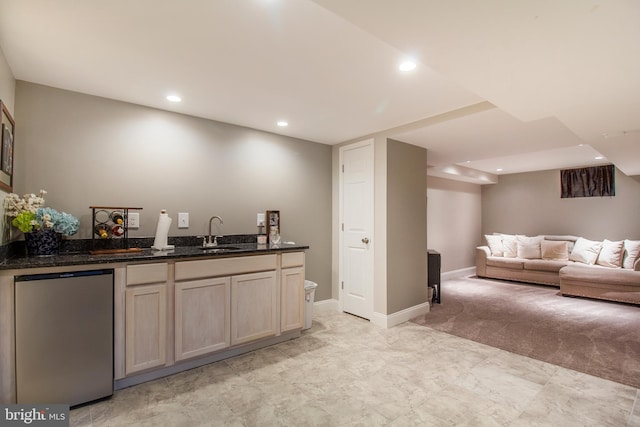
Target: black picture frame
(7, 148)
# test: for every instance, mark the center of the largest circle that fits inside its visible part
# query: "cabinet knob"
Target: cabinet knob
(365, 240)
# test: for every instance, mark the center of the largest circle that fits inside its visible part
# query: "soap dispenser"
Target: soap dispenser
(261, 236)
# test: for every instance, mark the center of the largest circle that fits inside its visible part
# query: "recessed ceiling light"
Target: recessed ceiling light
(599, 157)
(174, 98)
(283, 123)
(407, 65)
(499, 170)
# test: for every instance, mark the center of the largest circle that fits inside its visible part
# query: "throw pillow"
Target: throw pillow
(494, 241)
(631, 252)
(571, 240)
(528, 247)
(510, 246)
(610, 254)
(585, 251)
(556, 250)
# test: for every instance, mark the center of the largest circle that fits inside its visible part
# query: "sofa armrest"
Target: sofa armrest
(636, 264)
(482, 252)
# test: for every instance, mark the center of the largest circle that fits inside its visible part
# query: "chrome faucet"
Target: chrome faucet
(213, 241)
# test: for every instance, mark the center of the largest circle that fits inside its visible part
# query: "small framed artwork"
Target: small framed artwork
(273, 223)
(6, 148)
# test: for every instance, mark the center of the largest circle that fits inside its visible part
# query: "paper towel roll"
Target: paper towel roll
(162, 232)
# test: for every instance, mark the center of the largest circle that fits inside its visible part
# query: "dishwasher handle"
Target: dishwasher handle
(46, 276)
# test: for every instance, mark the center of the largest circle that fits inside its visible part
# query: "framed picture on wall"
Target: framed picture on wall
(6, 148)
(273, 224)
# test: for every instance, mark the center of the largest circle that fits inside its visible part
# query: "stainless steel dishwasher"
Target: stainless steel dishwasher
(64, 337)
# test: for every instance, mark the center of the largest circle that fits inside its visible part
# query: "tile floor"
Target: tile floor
(345, 371)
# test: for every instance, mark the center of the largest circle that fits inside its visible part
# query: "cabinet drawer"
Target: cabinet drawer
(292, 259)
(141, 274)
(187, 270)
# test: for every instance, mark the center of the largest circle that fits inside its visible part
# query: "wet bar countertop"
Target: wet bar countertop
(180, 252)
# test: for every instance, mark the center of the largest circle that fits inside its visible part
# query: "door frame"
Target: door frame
(341, 150)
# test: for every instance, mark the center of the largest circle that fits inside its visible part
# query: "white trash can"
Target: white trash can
(309, 293)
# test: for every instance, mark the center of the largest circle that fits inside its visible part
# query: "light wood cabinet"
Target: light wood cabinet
(291, 298)
(172, 314)
(253, 306)
(202, 317)
(203, 268)
(145, 317)
(146, 327)
(292, 291)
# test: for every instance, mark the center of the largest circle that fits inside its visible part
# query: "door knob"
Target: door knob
(365, 240)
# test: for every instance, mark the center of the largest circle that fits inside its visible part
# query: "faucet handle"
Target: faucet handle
(204, 240)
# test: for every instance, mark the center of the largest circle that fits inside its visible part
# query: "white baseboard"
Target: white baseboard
(469, 271)
(383, 320)
(326, 305)
(391, 320)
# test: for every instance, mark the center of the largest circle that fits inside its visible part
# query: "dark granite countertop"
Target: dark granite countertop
(70, 258)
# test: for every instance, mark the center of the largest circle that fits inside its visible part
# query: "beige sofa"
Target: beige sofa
(579, 267)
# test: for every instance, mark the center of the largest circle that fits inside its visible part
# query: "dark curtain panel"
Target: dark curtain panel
(596, 181)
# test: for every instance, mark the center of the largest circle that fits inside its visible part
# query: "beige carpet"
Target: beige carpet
(595, 337)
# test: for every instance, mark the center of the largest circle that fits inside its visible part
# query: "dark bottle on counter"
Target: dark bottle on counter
(102, 230)
(117, 218)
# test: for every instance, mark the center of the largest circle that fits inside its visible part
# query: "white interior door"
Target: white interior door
(356, 272)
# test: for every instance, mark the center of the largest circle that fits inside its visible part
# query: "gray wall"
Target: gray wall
(454, 210)
(530, 203)
(406, 226)
(7, 84)
(85, 150)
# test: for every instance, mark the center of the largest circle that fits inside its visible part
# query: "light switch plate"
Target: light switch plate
(183, 219)
(260, 219)
(133, 220)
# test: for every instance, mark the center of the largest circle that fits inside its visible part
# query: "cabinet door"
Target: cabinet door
(253, 306)
(292, 299)
(146, 327)
(202, 317)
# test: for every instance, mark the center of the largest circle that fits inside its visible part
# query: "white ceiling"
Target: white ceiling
(499, 84)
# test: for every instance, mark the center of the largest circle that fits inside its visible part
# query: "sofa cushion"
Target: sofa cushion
(512, 263)
(585, 251)
(599, 275)
(551, 249)
(611, 254)
(494, 241)
(544, 265)
(528, 247)
(510, 246)
(631, 252)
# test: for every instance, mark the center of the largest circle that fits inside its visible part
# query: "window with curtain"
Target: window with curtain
(595, 181)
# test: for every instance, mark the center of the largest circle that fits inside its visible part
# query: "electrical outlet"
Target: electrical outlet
(260, 219)
(133, 220)
(183, 219)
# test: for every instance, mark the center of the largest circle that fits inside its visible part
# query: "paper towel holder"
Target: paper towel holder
(160, 243)
(111, 244)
